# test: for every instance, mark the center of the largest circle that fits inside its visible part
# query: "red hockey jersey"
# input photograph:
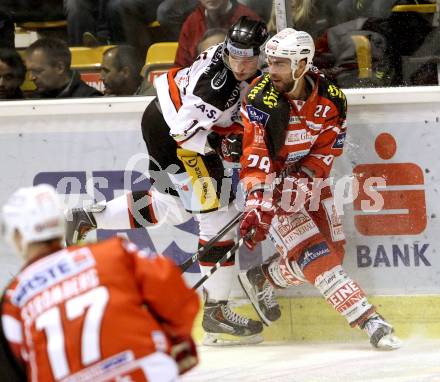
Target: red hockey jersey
(313, 135)
(96, 312)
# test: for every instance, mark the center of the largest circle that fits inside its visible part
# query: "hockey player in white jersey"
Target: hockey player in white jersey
(190, 129)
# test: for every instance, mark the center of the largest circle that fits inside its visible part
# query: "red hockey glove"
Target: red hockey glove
(229, 146)
(184, 352)
(256, 220)
(293, 192)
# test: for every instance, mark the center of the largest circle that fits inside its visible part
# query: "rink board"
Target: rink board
(93, 149)
(311, 319)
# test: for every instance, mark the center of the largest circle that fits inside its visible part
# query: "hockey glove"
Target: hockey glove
(293, 192)
(256, 220)
(184, 352)
(229, 146)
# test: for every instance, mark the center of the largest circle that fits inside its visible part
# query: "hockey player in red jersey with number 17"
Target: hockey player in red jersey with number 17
(105, 311)
(294, 128)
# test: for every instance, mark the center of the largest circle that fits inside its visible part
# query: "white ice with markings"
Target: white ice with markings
(417, 361)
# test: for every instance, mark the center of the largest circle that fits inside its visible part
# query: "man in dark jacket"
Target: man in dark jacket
(121, 71)
(209, 14)
(33, 10)
(12, 73)
(48, 61)
(7, 35)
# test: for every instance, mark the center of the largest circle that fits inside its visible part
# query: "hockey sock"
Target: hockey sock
(124, 212)
(344, 295)
(219, 285)
(140, 209)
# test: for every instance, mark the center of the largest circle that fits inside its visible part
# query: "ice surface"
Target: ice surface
(417, 361)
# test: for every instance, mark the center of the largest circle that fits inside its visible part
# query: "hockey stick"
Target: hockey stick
(217, 265)
(283, 14)
(202, 251)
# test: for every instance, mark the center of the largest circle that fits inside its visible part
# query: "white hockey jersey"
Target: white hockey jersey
(195, 99)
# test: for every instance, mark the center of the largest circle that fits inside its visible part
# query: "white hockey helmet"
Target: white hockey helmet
(35, 212)
(294, 45)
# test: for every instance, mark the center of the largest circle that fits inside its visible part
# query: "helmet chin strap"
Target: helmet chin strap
(296, 82)
(22, 249)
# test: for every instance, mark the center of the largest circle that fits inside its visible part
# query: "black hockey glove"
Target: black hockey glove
(229, 147)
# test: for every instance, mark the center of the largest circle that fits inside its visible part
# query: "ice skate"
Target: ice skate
(79, 221)
(381, 333)
(225, 327)
(261, 294)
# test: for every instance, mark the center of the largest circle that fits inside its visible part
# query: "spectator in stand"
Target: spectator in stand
(128, 21)
(394, 37)
(211, 37)
(262, 8)
(48, 61)
(12, 73)
(311, 16)
(171, 15)
(87, 22)
(121, 71)
(33, 10)
(353, 9)
(6, 31)
(209, 14)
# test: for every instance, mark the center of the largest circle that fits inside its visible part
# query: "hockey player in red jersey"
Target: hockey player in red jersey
(295, 125)
(191, 128)
(105, 311)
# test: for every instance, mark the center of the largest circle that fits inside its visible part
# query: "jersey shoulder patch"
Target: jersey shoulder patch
(333, 93)
(217, 85)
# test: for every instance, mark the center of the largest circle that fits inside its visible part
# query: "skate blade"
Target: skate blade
(221, 339)
(247, 287)
(389, 342)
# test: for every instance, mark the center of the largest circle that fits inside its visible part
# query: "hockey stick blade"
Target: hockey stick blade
(202, 251)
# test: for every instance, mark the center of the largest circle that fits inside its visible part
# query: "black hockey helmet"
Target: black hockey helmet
(245, 38)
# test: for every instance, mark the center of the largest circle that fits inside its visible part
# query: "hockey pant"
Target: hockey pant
(310, 244)
(201, 181)
(169, 178)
